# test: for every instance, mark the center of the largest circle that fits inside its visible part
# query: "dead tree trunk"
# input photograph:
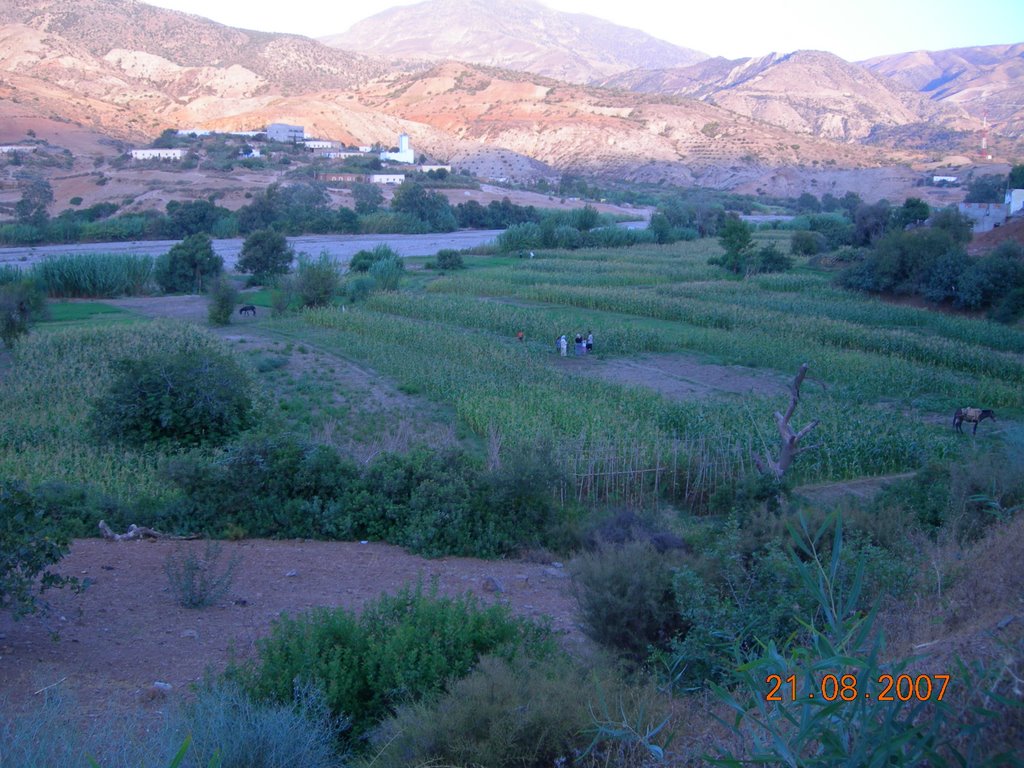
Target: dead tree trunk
(790, 445)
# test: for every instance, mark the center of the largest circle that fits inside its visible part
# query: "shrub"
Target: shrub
(449, 259)
(21, 303)
(387, 273)
(188, 265)
(363, 260)
(188, 397)
(265, 253)
(769, 259)
(625, 598)
(197, 581)
(805, 243)
(402, 648)
(223, 299)
(360, 288)
(30, 542)
(514, 715)
(317, 282)
(96, 275)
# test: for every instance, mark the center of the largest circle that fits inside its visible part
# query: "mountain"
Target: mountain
(513, 34)
(808, 92)
(105, 27)
(986, 81)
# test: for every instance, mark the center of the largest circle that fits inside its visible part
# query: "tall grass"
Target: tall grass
(96, 275)
(47, 395)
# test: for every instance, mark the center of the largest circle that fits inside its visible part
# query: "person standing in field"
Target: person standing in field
(563, 345)
(590, 341)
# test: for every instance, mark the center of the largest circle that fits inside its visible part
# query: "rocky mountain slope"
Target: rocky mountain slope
(513, 34)
(986, 81)
(811, 92)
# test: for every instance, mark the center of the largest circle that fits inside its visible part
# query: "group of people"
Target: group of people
(584, 344)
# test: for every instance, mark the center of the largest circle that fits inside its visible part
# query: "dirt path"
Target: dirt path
(680, 377)
(126, 631)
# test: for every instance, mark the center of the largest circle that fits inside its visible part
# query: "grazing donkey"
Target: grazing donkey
(248, 309)
(973, 415)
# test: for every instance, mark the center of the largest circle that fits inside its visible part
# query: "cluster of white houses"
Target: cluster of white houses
(296, 134)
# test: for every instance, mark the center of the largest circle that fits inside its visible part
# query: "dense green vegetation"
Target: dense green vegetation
(691, 569)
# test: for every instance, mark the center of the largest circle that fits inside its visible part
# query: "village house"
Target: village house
(985, 216)
(157, 154)
(285, 133)
(1014, 201)
(404, 153)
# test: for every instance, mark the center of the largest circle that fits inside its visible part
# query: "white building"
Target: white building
(1014, 201)
(404, 153)
(334, 154)
(157, 154)
(11, 148)
(193, 132)
(288, 134)
(429, 168)
(319, 144)
(984, 216)
(387, 178)
(944, 179)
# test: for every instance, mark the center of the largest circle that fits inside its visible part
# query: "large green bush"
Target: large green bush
(363, 260)
(223, 300)
(21, 303)
(625, 598)
(403, 647)
(189, 397)
(265, 253)
(502, 715)
(188, 266)
(317, 281)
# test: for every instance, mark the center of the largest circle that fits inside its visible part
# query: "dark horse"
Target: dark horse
(248, 309)
(972, 415)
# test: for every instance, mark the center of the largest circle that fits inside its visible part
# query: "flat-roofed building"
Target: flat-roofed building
(157, 154)
(285, 133)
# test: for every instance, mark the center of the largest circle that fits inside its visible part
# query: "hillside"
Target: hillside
(986, 81)
(811, 92)
(514, 34)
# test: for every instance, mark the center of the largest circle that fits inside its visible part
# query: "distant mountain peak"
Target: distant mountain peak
(522, 35)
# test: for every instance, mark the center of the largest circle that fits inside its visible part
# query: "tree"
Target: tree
(36, 195)
(990, 188)
(367, 197)
(317, 281)
(188, 266)
(264, 253)
(223, 299)
(870, 222)
(21, 303)
(736, 237)
(1016, 178)
(957, 225)
(431, 207)
(808, 203)
(913, 211)
(789, 447)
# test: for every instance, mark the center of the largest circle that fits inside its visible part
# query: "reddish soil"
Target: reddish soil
(987, 241)
(126, 631)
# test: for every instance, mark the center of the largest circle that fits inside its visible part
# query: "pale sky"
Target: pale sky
(854, 30)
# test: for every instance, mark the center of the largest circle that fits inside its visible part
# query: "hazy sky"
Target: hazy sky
(853, 29)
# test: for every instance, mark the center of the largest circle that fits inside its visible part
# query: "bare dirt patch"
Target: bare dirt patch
(126, 631)
(680, 377)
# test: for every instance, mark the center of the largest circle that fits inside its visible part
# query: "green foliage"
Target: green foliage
(188, 397)
(387, 273)
(30, 542)
(957, 225)
(45, 419)
(198, 581)
(265, 253)
(625, 598)
(1016, 178)
(736, 237)
(95, 275)
(431, 207)
(837, 638)
(363, 260)
(21, 303)
(990, 188)
(223, 300)
(317, 281)
(804, 243)
(913, 212)
(368, 198)
(188, 266)
(402, 648)
(504, 714)
(769, 258)
(449, 259)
